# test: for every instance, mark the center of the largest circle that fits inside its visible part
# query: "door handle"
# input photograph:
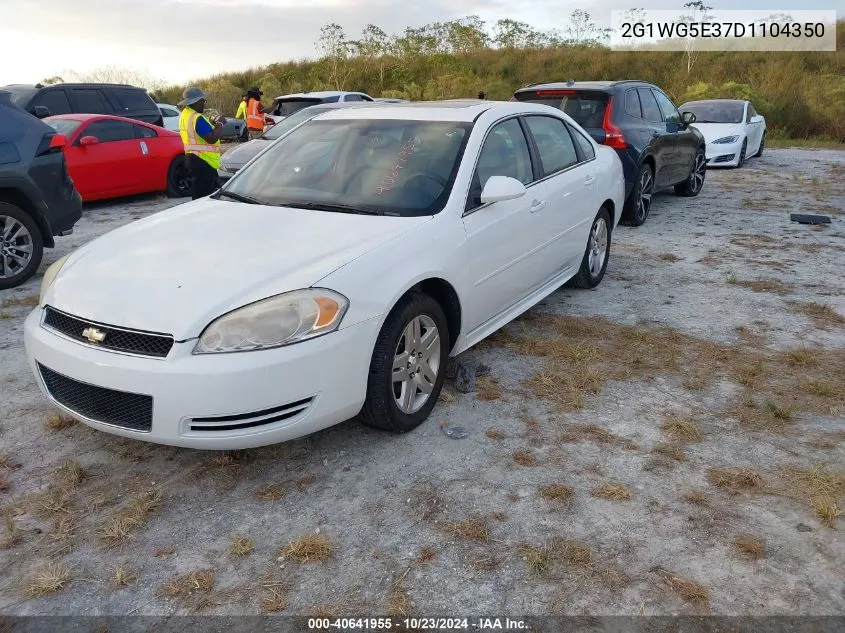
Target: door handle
(589, 180)
(537, 205)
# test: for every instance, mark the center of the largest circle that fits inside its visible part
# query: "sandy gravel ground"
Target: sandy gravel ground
(671, 442)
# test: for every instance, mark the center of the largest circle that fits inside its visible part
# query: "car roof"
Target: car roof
(320, 94)
(105, 117)
(453, 110)
(582, 85)
(73, 85)
(736, 101)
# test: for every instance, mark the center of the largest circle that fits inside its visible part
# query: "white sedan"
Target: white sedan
(330, 278)
(732, 130)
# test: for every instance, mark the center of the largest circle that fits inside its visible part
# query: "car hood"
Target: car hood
(176, 271)
(237, 157)
(712, 131)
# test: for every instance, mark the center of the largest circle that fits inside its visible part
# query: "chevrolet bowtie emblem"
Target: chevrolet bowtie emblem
(94, 335)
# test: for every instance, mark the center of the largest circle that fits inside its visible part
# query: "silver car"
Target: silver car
(240, 155)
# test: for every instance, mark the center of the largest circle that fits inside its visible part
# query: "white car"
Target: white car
(731, 128)
(286, 105)
(170, 116)
(331, 277)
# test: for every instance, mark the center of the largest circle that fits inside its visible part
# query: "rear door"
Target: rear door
(662, 142)
(754, 130)
(55, 100)
(109, 167)
(89, 101)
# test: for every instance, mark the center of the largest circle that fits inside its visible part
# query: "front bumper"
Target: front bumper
(723, 155)
(237, 397)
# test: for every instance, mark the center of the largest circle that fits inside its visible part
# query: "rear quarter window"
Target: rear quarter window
(54, 100)
(131, 100)
(632, 104)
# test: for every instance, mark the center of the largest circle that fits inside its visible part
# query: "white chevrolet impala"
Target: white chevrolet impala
(330, 278)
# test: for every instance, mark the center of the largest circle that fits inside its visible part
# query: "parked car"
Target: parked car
(110, 156)
(657, 145)
(385, 240)
(389, 100)
(235, 158)
(233, 129)
(288, 104)
(170, 116)
(732, 130)
(116, 99)
(37, 197)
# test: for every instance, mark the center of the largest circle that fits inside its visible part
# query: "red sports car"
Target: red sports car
(111, 156)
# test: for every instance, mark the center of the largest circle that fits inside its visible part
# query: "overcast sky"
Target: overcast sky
(177, 40)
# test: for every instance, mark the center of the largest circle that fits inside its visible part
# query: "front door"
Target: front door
(110, 166)
(663, 142)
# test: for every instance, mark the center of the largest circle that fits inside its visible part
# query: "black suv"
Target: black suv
(116, 99)
(656, 144)
(37, 196)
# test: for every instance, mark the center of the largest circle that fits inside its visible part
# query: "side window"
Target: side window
(632, 104)
(351, 98)
(333, 99)
(504, 153)
(131, 100)
(141, 131)
(751, 113)
(555, 145)
(89, 101)
(168, 112)
(54, 100)
(650, 110)
(110, 131)
(365, 98)
(670, 112)
(583, 143)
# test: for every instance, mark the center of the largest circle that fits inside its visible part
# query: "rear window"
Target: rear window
(20, 96)
(286, 107)
(586, 108)
(132, 99)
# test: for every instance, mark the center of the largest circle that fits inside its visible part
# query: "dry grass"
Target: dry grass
(524, 457)
(275, 592)
(29, 301)
(819, 486)
(593, 433)
(123, 578)
(681, 430)
(69, 475)
(688, 590)
(802, 357)
(240, 545)
(304, 483)
(184, 586)
(750, 546)
(613, 491)
(735, 479)
(164, 552)
(495, 434)
(489, 388)
(538, 559)
(670, 257)
(696, 498)
(556, 492)
(820, 314)
(474, 529)
(762, 285)
(499, 516)
(672, 451)
(309, 548)
(12, 536)
(48, 578)
(398, 602)
(58, 422)
(134, 514)
(580, 563)
(271, 493)
(426, 555)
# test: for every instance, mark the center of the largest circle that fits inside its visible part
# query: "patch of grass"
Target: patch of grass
(750, 374)
(132, 515)
(495, 434)
(184, 586)
(524, 457)
(489, 389)
(612, 491)
(686, 589)
(566, 388)
(304, 483)
(734, 479)
(538, 559)
(426, 555)
(762, 285)
(670, 257)
(499, 516)
(164, 552)
(12, 536)
(240, 545)
(29, 301)
(816, 143)
(819, 486)
(593, 433)
(58, 422)
(486, 564)
(802, 357)
(672, 451)
(123, 578)
(46, 579)
(681, 430)
(271, 493)
(819, 388)
(398, 601)
(820, 314)
(69, 475)
(308, 548)
(556, 492)
(275, 595)
(474, 529)
(696, 498)
(750, 546)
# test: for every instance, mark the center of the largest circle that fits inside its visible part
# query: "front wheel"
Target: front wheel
(638, 204)
(594, 263)
(408, 365)
(244, 136)
(691, 187)
(179, 184)
(762, 144)
(21, 246)
(742, 153)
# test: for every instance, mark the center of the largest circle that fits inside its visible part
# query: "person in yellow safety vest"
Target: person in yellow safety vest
(241, 113)
(202, 142)
(254, 113)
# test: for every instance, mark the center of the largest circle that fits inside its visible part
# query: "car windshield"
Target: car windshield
(369, 166)
(20, 96)
(63, 126)
(715, 111)
(586, 108)
(288, 123)
(286, 107)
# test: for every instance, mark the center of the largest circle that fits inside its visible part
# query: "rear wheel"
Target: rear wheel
(638, 204)
(597, 254)
(408, 366)
(179, 183)
(691, 187)
(762, 144)
(21, 246)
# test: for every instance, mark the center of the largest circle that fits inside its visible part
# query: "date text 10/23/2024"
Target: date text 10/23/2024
(414, 624)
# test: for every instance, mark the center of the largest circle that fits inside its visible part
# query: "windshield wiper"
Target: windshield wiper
(238, 197)
(337, 208)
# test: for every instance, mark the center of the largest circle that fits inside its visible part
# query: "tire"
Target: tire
(244, 136)
(742, 152)
(597, 254)
(381, 409)
(762, 144)
(692, 186)
(638, 205)
(179, 183)
(21, 246)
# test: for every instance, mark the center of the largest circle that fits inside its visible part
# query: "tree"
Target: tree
(335, 51)
(465, 35)
(375, 47)
(52, 80)
(698, 13)
(582, 29)
(119, 75)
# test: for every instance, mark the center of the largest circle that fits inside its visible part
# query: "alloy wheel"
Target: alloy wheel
(644, 203)
(16, 247)
(416, 363)
(697, 175)
(597, 247)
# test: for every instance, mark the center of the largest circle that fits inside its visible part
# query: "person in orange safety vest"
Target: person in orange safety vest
(254, 113)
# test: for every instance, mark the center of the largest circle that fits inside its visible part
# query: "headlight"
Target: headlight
(726, 139)
(50, 276)
(280, 320)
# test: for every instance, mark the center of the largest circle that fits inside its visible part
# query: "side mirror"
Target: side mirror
(500, 188)
(88, 140)
(41, 112)
(58, 141)
(757, 118)
(688, 117)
